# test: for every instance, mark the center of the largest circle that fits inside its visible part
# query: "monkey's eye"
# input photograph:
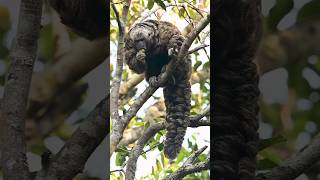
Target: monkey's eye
(129, 43)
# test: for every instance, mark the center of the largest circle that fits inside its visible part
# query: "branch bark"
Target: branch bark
(16, 90)
(182, 172)
(72, 157)
(148, 134)
(138, 148)
(297, 164)
(188, 167)
(120, 57)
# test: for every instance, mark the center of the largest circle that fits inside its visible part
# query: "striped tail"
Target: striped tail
(177, 101)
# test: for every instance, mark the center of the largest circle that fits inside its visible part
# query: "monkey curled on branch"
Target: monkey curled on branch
(149, 47)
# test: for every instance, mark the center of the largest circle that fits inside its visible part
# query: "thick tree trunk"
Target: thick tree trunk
(16, 90)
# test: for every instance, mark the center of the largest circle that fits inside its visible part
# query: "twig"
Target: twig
(198, 48)
(138, 148)
(185, 47)
(119, 127)
(74, 154)
(297, 164)
(117, 170)
(195, 121)
(201, 115)
(120, 56)
(184, 171)
(193, 157)
(16, 90)
(143, 140)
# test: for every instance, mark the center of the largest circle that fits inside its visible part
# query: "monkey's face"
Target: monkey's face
(140, 37)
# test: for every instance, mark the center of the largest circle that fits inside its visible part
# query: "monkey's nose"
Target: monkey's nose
(141, 45)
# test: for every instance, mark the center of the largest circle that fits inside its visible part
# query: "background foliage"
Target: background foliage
(289, 116)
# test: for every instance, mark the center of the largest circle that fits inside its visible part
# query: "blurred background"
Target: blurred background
(70, 78)
(289, 66)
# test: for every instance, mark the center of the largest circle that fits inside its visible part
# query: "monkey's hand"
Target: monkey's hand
(174, 46)
(156, 81)
(141, 56)
(135, 60)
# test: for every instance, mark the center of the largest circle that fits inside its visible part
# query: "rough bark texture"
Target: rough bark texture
(72, 157)
(14, 102)
(236, 35)
(296, 165)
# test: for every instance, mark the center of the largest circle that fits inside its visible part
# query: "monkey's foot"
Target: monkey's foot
(155, 81)
(173, 52)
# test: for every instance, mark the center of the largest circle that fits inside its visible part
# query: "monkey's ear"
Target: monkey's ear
(87, 18)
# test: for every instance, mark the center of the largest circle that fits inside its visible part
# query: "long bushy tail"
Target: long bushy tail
(177, 101)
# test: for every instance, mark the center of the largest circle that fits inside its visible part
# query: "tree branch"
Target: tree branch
(198, 48)
(131, 135)
(72, 157)
(138, 148)
(16, 90)
(147, 135)
(185, 47)
(121, 124)
(120, 56)
(184, 171)
(297, 164)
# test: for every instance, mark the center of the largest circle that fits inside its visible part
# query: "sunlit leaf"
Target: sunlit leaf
(161, 4)
(150, 4)
(278, 11)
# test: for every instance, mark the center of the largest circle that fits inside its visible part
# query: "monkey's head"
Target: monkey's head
(140, 37)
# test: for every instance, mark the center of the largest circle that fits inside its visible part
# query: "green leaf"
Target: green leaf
(158, 136)
(181, 12)
(169, 171)
(160, 147)
(309, 12)
(161, 4)
(144, 155)
(206, 64)
(196, 65)
(147, 125)
(183, 153)
(139, 123)
(264, 143)
(150, 4)
(277, 12)
(266, 163)
(158, 164)
(121, 158)
(189, 144)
